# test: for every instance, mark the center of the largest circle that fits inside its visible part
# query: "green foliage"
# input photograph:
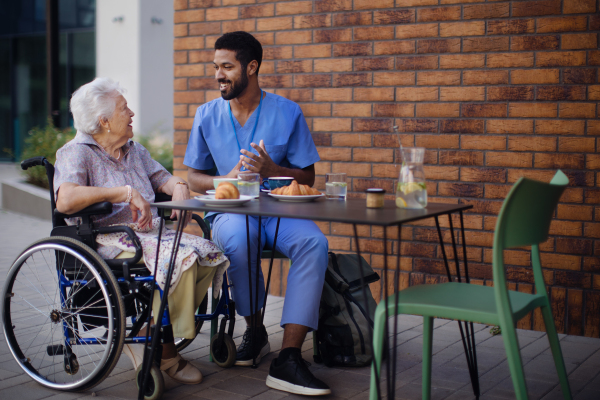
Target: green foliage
(44, 142)
(160, 149)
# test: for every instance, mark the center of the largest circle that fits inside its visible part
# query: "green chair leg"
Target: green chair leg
(511, 344)
(379, 335)
(556, 352)
(427, 355)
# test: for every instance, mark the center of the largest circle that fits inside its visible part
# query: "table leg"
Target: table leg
(149, 353)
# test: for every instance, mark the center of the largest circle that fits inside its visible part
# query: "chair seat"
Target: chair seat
(461, 301)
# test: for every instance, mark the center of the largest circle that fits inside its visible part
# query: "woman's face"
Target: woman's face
(120, 122)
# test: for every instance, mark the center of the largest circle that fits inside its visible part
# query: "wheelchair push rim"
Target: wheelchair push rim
(43, 324)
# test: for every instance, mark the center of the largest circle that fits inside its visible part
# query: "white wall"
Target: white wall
(139, 54)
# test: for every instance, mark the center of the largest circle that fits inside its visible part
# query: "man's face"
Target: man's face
(232, 79)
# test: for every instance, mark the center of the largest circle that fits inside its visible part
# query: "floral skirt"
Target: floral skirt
(191, 249)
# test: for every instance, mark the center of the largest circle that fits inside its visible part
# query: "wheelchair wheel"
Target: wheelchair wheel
(223, 352)
(182, 343)
(63, 315)
(156, 383)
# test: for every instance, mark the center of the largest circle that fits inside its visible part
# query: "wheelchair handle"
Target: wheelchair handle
(33, 162)
(136, 242)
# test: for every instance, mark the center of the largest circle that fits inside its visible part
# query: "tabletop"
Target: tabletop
(352, 211)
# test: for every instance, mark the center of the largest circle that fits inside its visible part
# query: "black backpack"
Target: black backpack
(343, 334)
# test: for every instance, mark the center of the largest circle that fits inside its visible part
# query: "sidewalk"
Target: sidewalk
(450, 378)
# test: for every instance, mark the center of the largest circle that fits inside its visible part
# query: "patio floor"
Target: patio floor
(450, 378)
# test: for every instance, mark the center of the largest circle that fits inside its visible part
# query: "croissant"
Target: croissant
(227, 190)
(296, 189)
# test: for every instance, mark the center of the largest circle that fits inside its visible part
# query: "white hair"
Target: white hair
(93, 102)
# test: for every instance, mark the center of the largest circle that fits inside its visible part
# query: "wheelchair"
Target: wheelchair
(67, 312)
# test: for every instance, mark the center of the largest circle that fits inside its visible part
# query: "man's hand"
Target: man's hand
(261, 163)
(235, 171)
(138, 203)
(181, 192)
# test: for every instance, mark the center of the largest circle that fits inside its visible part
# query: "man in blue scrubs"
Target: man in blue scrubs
(249, 129)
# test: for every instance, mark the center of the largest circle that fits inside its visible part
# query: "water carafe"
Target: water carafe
(411, 191)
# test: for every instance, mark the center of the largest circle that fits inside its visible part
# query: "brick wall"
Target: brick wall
(494, 90)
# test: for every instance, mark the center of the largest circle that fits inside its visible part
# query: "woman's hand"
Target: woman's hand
(181, 192)
(138, 203)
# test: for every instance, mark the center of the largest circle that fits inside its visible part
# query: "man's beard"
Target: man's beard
(234, 89)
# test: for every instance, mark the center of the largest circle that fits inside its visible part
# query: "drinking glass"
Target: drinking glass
(335, 186)
(249, 184)
(412, 187)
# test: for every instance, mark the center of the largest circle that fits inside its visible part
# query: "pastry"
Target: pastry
(296, 189)
(227, 190)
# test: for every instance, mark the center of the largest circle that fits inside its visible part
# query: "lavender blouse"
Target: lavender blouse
(83, 162)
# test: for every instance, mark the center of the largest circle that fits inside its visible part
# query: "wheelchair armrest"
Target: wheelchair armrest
(134, 239)
(102, 208)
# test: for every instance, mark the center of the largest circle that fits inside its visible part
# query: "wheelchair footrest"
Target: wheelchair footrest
(55, 350)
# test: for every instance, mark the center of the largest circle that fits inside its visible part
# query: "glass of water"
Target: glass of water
(249, 184)
(336, 186)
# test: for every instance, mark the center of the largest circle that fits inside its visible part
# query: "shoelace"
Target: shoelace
(246, 340)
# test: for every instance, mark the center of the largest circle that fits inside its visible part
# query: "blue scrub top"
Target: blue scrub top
(281, 125)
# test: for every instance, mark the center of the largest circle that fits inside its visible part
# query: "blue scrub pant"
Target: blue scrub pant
(300, 240)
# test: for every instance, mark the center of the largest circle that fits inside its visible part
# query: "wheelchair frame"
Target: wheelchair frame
(78, 243)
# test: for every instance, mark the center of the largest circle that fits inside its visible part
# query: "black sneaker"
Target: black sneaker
(243, 356)
(293, 376)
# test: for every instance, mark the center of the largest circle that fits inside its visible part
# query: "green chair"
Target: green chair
(523, 220)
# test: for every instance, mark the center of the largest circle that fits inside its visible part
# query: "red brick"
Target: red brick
(312, 51)
(180, 4)
(579, 6)
(509, 159)
(561, 24)
(460, 61)
(458, 93)
(189, 70)
(444, 110)
(595, 22)
(311, 80)
(417, 94)
(485, 110)
(522, 43)
(312, 21)
(180, 57)
(532, 110)
(535, 76)
(461, 126)
(333, 65)
(201, 56)
(393, 78)
(437, 141)
(438, 78)
(263, 10)
(446, 173)
(353, 19)
(385, 171)
(353, 169)
(594, 92)
(293, 7)
(332, 95)
(283, 52)
(568, 161)
(180, 110)
(316, 110)
(485, 44)
(393, 17)
(293, 37)
(352, 49)
(274, 24)
(560, 58)
(283, 81)
(328, 5)
(496, 175)
(483, 142)
(454, 189)
(533, 8)
(438, 14)
(180, 30)
(351, 139)
(528, 143)
(417, 62)
(393, 110)
(561, 92)
(474, 28)
(578, 145)
(374, 94)
(189, 16)
(579, 41)
(373, 64)
(188, 97)
(370, 4)
(417, 125)
(287, 67)
(511, 126)
(593, 128)
(485, 77)
(332, 125)
(203, 84)
(188, 43)
(511, 27)
(335, 154)
(394, 47)
(580, 75)
(577, 110)
(373, 155)
(332, 35)
(565, 228)
(509, 60)
(410, 3)
(374, 33)
(351, 110)
(416, 31)
(511, 93)
(559, 127)
(486, 11)
(372, 125)
(438, 46)
(451, 157)
(361, 79)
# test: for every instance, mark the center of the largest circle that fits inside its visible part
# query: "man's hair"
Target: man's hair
(245, 46)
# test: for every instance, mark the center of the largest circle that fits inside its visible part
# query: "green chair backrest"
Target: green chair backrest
(524, 220)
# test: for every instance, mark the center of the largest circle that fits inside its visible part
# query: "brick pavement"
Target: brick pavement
(450, 376)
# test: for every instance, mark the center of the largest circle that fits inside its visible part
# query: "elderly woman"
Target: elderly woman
(102, 163)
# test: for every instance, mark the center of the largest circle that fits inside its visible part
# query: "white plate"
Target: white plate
(265, 190)
(209, 199)
(297, 199)
(212, 191)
